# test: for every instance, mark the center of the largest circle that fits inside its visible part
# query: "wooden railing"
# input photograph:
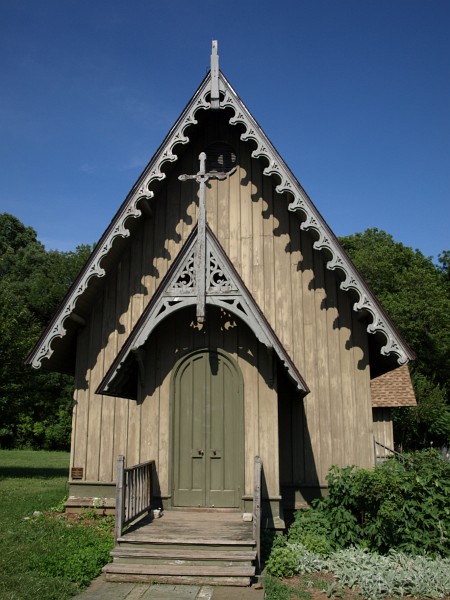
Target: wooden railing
(386, 451)
(257, 510)
(133, 493)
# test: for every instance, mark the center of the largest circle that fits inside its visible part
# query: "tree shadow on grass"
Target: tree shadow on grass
(30, 472)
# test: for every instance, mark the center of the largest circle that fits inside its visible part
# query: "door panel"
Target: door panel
(208, 432)
(189, 434)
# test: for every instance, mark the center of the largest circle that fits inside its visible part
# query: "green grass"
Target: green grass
(42, 558)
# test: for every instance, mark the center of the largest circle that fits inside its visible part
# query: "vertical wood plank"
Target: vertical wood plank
(346, 377)
(95, 401)
(166, 361)
(268, 423)
(246, 218)
(312, 432)
(109, 334)
(323, 374)
(268, 253)
(223, 215)
(362, 393)
(81, 409)
(234, 219)
(282, 273)
(259, 206)
(338, 423)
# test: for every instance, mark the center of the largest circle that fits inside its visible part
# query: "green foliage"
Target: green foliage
(416, 294)
(283, 560)
(78, 552)
(428, 423)
(313, 529)
(394, 575)
(373, 575)
(35, 407)
(47, 557)
(397, 505)
(276, 590)
(413, 291)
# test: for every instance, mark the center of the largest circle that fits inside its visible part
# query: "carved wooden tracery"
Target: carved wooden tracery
(312, 220)
(224, 288)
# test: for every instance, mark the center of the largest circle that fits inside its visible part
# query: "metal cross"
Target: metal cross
(200, 254)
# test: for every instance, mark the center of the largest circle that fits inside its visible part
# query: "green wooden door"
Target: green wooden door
(208, 431)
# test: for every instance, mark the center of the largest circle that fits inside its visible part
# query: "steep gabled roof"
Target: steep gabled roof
(224, 288)
(143, 190)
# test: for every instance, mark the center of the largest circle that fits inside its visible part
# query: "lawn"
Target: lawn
(42, 557)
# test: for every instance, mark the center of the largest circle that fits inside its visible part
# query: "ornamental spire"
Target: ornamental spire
(214, 76)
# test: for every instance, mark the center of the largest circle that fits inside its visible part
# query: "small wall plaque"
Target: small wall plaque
(76, 473)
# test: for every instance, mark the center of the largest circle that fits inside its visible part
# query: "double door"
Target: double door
(208, 431)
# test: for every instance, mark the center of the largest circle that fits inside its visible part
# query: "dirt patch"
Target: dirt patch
(318, 586)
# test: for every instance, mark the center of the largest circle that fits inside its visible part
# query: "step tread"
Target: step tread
(178, 579)
(143, 539)
(186, 570)
(194, 554)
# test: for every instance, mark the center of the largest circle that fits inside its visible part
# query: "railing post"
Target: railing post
(120, 500)
(257, 510)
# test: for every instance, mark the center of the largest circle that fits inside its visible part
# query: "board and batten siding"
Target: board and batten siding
(301, 299)
(383, 430)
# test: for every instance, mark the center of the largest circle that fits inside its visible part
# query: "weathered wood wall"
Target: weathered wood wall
(301, 299)
(383, 429)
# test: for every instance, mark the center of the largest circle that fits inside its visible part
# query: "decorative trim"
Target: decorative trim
(224, 288)
(315, 222)
(129, 209)
(288, 183)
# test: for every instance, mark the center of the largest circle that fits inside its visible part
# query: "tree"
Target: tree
(416, 295)
(35, 407)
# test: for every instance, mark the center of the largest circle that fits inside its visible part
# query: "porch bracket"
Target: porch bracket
(223, 288)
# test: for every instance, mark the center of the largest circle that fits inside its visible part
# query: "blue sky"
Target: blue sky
(354, 94)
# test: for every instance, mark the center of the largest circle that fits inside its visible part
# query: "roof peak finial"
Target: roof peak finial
(215, 98)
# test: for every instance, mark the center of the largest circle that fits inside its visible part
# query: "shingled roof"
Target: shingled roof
(393, 389)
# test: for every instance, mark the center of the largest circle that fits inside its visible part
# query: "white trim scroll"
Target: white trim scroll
(288, 183)
(223, 288)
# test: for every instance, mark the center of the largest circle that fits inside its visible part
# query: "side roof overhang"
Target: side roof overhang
(60, 335)
(393, 389)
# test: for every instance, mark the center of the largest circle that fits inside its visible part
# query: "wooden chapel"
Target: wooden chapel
(219, 319)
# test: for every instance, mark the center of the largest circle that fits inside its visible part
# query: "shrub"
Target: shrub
(283, 561)
(401, 505)
(312, 529)
(294, 559)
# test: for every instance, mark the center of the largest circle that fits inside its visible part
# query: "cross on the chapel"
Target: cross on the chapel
(200, 253)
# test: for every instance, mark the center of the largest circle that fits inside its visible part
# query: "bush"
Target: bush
(283, 561)
(402, 505)
(400, 511)
(312, 529)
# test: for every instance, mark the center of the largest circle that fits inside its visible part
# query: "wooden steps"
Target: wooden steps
(154, 555)
(186, 547)
(195, 574)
